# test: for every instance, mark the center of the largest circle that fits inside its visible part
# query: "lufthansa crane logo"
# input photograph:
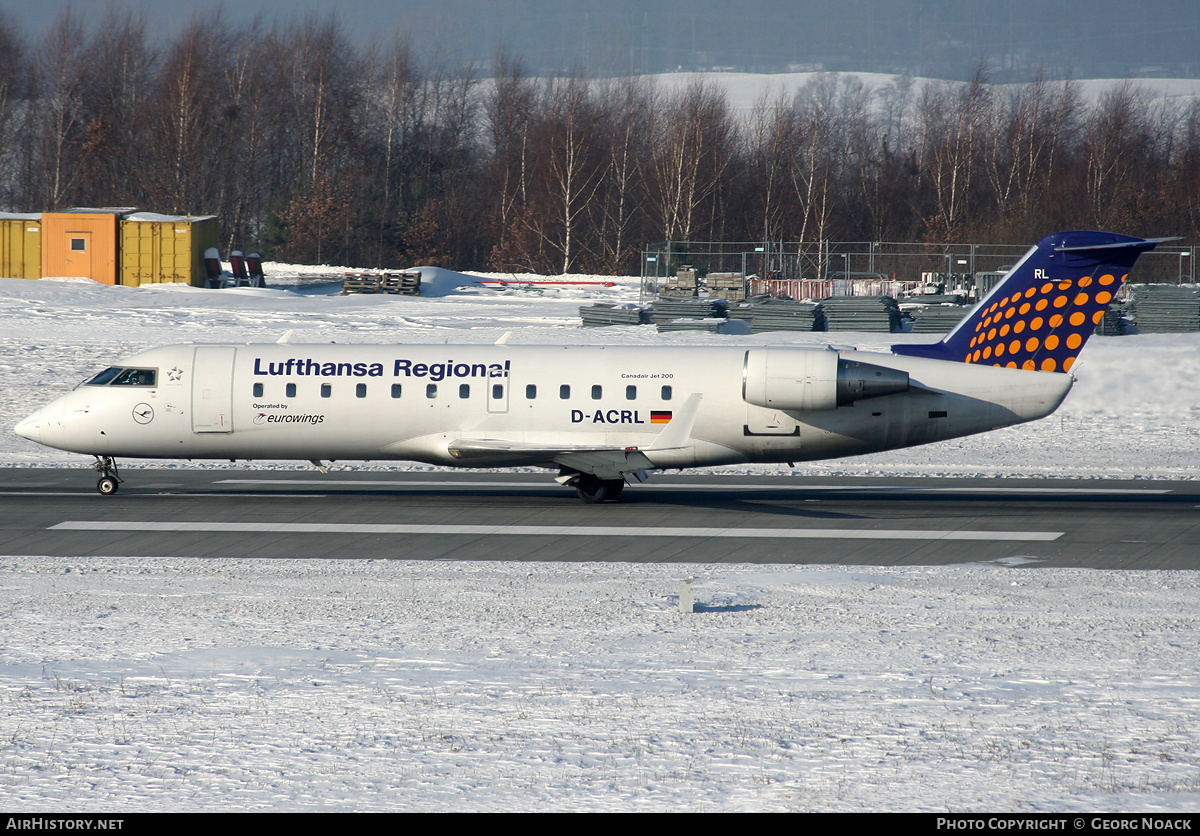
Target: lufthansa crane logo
(143, 413)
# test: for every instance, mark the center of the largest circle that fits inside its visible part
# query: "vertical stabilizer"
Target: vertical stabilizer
(1041, 314)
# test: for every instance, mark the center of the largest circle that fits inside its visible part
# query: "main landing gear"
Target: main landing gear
(592, 489)
(106, 466)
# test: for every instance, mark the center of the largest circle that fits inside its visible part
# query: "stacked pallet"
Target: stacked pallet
(710, 325)
(783, 315)
(407, 284)
(676, 293)
(745, 308)
(1164, 308)
(665, 310)
(360, 283)
(936, 319)
(862, 313)
(729, 286)
(604, 314)
(684, 286)
(937, 299)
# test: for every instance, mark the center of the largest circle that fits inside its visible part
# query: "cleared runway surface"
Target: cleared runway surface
(526, 516)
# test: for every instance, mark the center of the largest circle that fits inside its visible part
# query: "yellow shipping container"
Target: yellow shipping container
(81, 242)
(20, 245)
(165, 248)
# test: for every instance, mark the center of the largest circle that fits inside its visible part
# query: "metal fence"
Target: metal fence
(847, 265)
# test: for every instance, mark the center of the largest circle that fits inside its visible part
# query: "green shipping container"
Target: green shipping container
(165, 248)
(20, 245)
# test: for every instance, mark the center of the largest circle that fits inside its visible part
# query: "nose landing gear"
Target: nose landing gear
(106, 466)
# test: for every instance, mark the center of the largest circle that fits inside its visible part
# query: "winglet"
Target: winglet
(679, 429)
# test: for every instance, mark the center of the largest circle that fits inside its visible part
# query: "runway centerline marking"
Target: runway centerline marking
(557, 530)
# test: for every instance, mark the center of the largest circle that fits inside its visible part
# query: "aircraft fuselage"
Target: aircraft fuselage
(482, 406)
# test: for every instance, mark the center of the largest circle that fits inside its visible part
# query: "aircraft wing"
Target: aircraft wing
(602, 461)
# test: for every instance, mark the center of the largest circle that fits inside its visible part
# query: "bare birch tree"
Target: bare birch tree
(954, 124)
(626, 106)
(692, 137)
(60, 83)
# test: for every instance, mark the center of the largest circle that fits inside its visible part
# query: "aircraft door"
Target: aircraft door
(212, 389)
(497, 394)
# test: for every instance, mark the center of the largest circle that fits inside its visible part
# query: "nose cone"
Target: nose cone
(31, 427)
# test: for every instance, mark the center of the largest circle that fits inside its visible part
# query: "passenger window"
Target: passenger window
(431, 390)
(497, 391)
(395, 390)
(464, 390)
(564, 391)
(360, 391)
(258, 390)
(597, 392)
(326, 390)
(530, 391)
(291, 390)
(666, 393)
(631, 393)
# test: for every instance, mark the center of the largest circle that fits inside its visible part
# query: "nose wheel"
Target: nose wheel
(109, 478)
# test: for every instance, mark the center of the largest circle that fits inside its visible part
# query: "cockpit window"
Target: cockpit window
(117, 376)
(104, 377)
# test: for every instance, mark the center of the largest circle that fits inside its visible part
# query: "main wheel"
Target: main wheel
(592, 490)
(107, 486)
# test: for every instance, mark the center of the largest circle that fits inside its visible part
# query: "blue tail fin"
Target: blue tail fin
(1042, 312)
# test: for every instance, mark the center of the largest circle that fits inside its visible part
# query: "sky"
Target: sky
(937, 38)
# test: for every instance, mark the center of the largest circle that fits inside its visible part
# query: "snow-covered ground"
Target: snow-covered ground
(170, 684)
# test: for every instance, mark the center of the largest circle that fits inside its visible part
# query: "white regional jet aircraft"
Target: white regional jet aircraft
(602, 415)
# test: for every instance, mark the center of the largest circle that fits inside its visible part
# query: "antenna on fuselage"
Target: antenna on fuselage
(287, 337)
(504, 339)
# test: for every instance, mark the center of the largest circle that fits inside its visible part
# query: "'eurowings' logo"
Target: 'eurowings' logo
(288, 418)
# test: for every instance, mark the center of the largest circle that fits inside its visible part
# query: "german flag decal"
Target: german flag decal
(660, 417)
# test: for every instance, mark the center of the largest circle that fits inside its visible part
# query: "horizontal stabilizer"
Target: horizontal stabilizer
(1083, 248)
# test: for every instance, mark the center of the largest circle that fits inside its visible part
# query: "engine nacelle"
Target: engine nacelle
(810, 380)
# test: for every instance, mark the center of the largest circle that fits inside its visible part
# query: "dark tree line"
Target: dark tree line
(311, 148)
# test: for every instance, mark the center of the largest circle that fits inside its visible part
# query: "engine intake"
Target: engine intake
(811, 380)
